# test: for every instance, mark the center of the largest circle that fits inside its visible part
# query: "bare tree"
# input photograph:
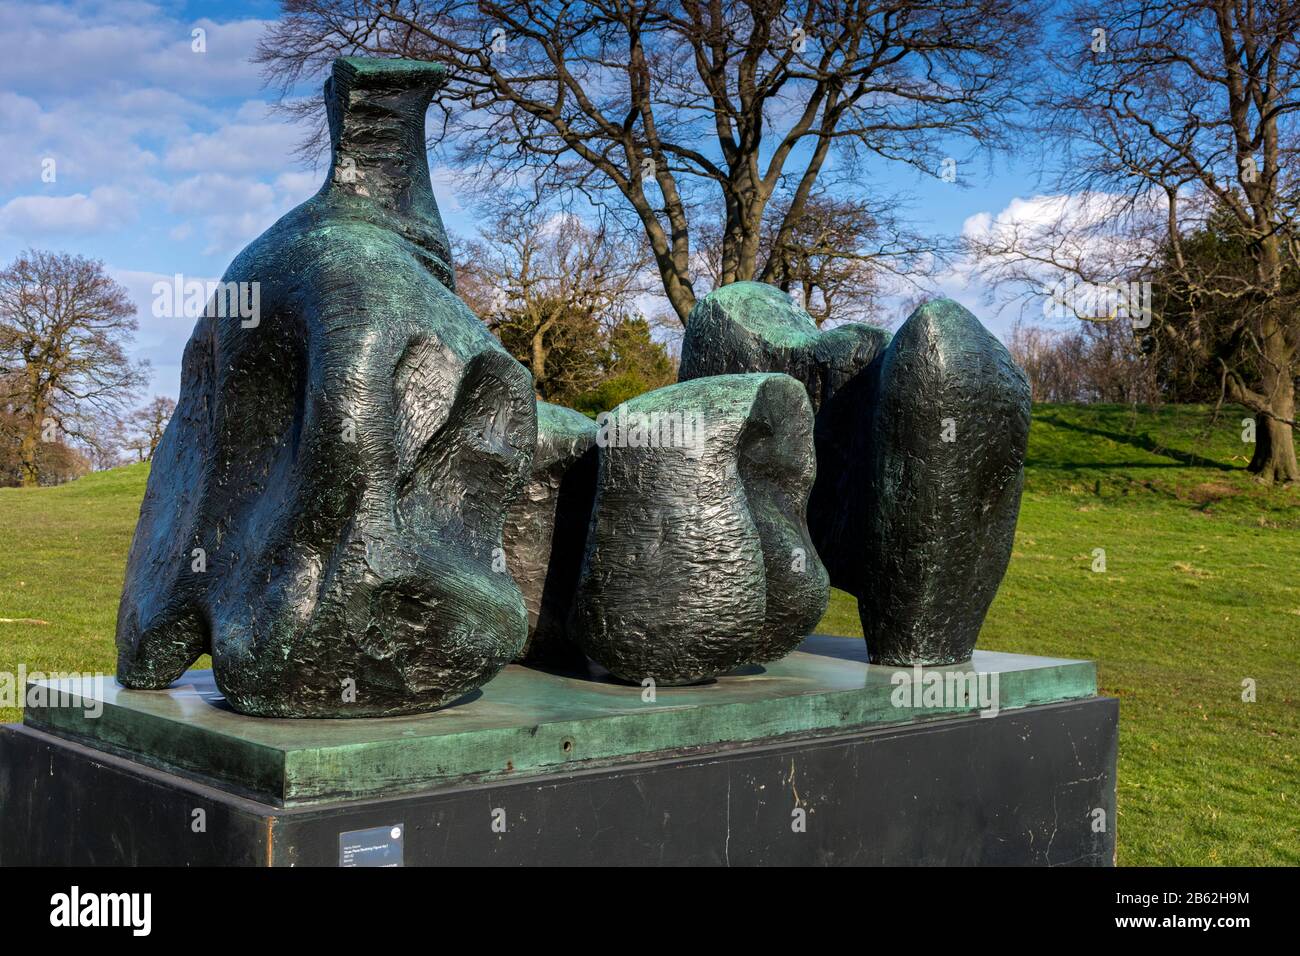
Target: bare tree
(109, 443)
(839, 259)
(552, 288)
(1174, 119)
(1098, 362)
(64, 325)
(838, 255)
(660, 111)
(1049, 358)
(147, 424)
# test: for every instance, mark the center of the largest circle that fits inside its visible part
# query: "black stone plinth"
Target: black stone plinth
(1024, 787)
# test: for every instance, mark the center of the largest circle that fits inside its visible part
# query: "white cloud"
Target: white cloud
(108, 119)
(218, 192)
(302, 184)
(254, 141)
(72, 48)
(1091, 229)
(448, 184)
(164, 159)
(87, 145)
(236, 210)
(1078, 228)
(106, 208)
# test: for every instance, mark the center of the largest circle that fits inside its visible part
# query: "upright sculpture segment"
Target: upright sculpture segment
(324, 510)
(949, 434)
(698, 559)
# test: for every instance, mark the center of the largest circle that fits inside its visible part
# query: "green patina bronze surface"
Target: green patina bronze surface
(525, 722)
(325, 508)
(755, 327)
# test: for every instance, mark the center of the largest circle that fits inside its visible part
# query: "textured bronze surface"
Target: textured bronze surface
(546, 529)
(325, 507)
(920, 451)
(948, 439)
(699, 560)
(754, 327)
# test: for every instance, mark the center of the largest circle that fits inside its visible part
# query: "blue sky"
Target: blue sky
(166, 160)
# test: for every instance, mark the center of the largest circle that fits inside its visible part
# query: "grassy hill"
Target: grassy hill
(1200, 593)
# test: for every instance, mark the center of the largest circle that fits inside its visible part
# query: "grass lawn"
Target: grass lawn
(1201, 592)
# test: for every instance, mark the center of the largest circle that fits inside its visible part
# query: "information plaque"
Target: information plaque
(377, 846)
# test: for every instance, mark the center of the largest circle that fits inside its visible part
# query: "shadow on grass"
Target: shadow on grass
(1143, 441)
(1051, 465)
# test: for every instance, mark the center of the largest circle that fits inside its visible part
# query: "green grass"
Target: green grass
(1200, 592)
(62, 556)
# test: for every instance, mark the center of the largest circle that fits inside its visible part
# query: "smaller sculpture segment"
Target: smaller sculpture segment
(948, 437)
(546, 529)
(755, 327)
(699, 560)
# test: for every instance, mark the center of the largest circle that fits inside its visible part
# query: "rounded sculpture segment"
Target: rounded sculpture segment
(698, 559)
(948, 435)
(546, 529)
(755, 327)
(324, 513)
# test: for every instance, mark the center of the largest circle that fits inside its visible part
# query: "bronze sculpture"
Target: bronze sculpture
(948, 437)
(359, 509)
(698, 559)
(546, 529)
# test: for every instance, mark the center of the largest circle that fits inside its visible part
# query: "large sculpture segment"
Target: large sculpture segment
(343, 464)
(698, 559)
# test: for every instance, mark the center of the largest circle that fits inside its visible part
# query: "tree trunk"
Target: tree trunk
(31, 473)
(538, 362)
(29, 447)
(1275, 459)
